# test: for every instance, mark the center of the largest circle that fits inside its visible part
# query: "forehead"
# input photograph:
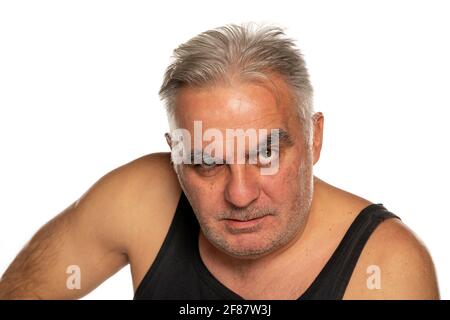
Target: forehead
(267, 104)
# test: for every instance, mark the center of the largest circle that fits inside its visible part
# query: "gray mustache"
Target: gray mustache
(245, 214)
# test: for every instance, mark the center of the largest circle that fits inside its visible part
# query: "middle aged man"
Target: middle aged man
(207, 226)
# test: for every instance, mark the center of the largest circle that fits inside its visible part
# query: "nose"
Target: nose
(242, 187)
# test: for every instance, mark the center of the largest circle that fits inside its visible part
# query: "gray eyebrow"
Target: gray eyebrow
(283, 139)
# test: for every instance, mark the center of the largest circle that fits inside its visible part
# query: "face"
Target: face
(240, 211)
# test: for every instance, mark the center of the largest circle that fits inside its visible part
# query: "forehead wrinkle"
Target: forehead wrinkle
(242, 124)
(278, 100)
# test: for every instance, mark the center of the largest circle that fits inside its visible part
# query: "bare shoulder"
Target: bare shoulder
(151, 168)
(129, 198)
(394, 264)
(149, 176)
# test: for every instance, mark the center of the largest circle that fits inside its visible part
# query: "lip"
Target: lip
(247, 225)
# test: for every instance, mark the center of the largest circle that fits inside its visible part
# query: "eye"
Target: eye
(267, 155)
(208, 164)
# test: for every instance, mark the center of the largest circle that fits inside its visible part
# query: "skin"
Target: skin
(278, 259)
(222, 193)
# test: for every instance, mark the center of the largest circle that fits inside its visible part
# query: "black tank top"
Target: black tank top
(178, 271)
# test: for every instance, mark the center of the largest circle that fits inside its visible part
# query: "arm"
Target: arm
(93, 233)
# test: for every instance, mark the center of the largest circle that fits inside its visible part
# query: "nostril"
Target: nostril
(239, 198)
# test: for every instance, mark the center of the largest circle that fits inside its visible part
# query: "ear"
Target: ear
(317, 127)
(168, 139)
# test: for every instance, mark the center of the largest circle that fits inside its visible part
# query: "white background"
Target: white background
(78, 97)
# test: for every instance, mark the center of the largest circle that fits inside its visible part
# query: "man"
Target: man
(205, 225)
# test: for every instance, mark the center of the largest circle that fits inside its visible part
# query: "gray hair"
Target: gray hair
(252, 52)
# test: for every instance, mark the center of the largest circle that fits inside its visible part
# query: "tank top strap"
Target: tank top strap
(332, 281)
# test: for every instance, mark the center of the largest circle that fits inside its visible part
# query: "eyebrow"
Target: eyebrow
(284, 139)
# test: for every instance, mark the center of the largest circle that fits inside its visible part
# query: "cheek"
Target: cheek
(287, 179)
(204, 194)
(203, 187)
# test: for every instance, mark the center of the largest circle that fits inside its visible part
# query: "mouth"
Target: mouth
(244, 226)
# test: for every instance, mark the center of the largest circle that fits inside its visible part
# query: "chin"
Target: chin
(248, 246)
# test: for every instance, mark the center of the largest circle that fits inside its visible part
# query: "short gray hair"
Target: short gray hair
(250, 51)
